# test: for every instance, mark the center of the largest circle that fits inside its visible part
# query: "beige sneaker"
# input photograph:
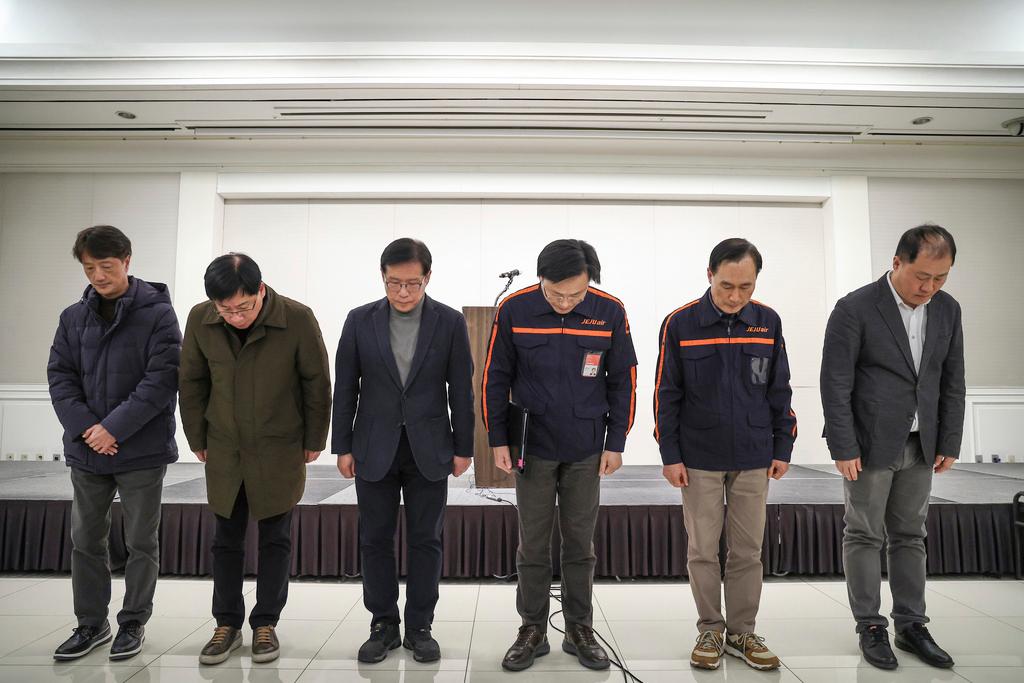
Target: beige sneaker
(707, 654)
(751, 649)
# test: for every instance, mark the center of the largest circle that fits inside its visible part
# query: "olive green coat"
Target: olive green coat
(255, 408)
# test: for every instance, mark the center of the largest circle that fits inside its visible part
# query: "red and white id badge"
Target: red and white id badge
(591, 363)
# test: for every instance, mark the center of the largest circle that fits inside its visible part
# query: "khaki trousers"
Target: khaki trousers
(704, 514)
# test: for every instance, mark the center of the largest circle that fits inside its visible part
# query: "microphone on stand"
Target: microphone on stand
(510, 274)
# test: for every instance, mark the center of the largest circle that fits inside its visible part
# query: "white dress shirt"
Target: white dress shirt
(915, 321)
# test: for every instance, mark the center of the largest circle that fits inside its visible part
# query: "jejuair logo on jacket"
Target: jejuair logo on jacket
(757, 329)
(590, 321)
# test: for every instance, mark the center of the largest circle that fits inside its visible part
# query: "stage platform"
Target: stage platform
(639, 533)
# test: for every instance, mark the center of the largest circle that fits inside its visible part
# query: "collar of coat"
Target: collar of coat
(272, 315)
(709, 314)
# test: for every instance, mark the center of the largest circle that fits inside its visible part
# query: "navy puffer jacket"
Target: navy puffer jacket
(123, 374)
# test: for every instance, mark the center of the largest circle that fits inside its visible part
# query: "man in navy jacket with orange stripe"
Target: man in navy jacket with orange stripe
(724, 426)
(564, 351)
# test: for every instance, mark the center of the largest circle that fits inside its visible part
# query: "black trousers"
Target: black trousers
(275, 558)
(424, 521)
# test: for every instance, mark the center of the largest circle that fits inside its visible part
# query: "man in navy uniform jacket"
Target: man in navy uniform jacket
(403, 361)
(564, 350)
(113, 375)
(724, 426)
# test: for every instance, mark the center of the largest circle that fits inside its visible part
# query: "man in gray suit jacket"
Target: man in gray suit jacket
(892, 386)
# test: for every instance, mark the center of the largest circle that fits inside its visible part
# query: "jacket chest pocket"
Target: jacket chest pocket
(533, 352)
(756, 364)
(701, 365)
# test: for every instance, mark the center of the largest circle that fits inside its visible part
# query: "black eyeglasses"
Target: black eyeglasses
(241, 310)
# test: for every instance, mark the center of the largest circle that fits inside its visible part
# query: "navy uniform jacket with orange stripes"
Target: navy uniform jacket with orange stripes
(574, 373)
(722, 399)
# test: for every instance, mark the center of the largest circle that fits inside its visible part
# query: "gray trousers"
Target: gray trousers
(140, 492)
(888, 503)
(577, 488)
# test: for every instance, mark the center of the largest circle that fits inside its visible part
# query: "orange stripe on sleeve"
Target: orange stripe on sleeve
(661, 366)
(632, 399)
(490, 347)
(606, 295)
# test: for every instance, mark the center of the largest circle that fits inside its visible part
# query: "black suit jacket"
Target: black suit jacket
(869, 388)
(371, 405)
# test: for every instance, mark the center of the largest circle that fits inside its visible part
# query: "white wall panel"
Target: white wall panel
(40, 216)
(453, 233)
(276, 235)
(987, 219)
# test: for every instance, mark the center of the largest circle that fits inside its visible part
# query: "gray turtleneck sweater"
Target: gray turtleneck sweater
(404, 331)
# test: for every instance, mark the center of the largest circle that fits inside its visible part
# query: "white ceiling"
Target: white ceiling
(960, 25)
(794, 70)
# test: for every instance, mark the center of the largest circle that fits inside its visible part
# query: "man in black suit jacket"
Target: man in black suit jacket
(402, 362)
(892, 387)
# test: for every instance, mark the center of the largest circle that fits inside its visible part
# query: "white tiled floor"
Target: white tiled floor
(807, 623)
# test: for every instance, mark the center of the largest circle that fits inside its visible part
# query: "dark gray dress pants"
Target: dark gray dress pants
(888, 504)
(140, 492)
(577, 489)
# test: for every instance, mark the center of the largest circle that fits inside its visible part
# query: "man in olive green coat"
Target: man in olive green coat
(255, 400)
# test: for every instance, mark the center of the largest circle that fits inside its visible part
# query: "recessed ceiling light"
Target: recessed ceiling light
(921, 120)
(126, 115)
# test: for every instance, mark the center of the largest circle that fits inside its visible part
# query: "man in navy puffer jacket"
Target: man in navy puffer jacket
(113, 375)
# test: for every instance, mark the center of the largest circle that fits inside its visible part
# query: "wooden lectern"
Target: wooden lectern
(479, 320)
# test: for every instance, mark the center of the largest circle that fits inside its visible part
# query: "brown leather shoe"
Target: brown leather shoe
(580, 641)
(530, 644)
(265, 647)
(225, 639)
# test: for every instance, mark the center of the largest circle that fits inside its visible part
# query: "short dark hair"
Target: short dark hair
(405, 250)
(563, 259)
(934, 238)
(102, 241)
(228, 274)
(734, 250)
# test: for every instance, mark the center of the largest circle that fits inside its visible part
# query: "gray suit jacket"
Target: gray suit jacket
(869, 389)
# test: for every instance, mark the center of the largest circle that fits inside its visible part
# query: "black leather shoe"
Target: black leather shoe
(384, 637)
(580, 641)
(530, 644)
(874, 643)
(916, 639)
(83, 640)
(129, 640)
(424, 647)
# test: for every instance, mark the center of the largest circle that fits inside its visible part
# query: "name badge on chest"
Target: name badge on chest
(591, 363)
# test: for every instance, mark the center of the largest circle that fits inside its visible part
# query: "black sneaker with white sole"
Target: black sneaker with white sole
(83, 640)
(128, 641)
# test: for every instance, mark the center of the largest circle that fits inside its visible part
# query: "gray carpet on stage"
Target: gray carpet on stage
(632, 485)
